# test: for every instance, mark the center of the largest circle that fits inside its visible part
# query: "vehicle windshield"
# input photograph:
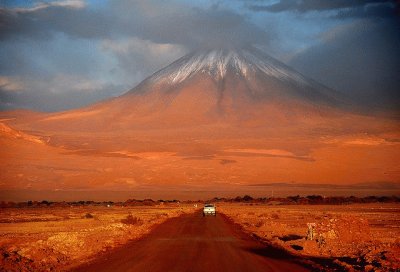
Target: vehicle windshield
(209, 205)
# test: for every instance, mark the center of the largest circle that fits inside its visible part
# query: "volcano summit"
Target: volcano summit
(209, 121)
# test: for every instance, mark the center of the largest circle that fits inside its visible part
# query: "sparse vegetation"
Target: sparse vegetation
(132, 220)
(351, 236)
(290, 200)
(275, 216)
(89, 215)
(260, 223)
(50, 233)
(161, 215)
(311, 199)
(50, 236)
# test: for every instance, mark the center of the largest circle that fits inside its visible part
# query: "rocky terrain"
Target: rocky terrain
(356, 237)
(59, 238)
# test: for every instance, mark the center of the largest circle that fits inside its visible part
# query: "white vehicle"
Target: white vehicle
(209, 209)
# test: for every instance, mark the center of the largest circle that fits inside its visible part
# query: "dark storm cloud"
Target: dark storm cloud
(156, 21)
(177, 23)
(359, 56)
(384, 10)
(360, 59)
(43, 22)
(122, 41)
(351, 8)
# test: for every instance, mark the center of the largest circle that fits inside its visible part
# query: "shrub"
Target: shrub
(260, 223)
(89, 215)
(275, 216)
(132, 220)
(247, 198)
(161, 215)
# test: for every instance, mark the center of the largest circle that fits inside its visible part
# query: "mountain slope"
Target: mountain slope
(248, 65)
(212, 120)
(234, 87)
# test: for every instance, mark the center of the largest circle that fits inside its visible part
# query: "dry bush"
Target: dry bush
(89, 215)
(260, 223)
(132, 220)
(161, 215)
(275, 216)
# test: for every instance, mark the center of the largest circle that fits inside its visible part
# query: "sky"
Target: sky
(59, 55)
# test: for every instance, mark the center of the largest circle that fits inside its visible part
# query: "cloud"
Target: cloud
(178, 23)
(360, 59)
(341, 8)
(7, 84)
(56, 93)
(156, 21)
(64, 3)
(43, 20)
(376, 10)
(45, 44)
(139, 58)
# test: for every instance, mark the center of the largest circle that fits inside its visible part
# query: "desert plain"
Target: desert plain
(174, 104)
(48, 238)
(354, 237)
(63, 236)
(263, 130)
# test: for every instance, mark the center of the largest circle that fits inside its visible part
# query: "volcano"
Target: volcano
(211, 120)
(210, 87)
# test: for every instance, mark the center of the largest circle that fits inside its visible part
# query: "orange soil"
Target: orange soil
(58, 238)
(358, 236)
(208, 156)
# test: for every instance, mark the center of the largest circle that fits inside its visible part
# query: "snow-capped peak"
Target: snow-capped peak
(216, 63)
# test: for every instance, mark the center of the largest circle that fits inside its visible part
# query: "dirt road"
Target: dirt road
(195, 243)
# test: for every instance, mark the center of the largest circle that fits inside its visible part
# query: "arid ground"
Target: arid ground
(172, 161)
(363, 237)
(356, 237)
(181, 102)
(57, 238)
